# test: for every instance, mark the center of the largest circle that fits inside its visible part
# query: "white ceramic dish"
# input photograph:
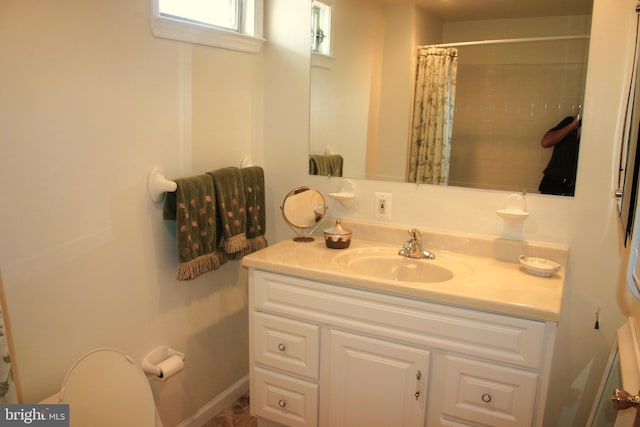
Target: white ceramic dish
(512, 214)
(539, 266)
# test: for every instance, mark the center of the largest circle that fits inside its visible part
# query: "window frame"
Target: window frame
(248, 39)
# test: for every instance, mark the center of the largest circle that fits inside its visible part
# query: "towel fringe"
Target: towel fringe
(253, 245)
(189, 270)
(235, 244)
(256, 244)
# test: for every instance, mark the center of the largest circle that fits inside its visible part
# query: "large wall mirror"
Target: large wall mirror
(521, 69)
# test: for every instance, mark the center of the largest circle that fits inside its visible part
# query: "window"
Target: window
(321, 27)
(230, 24)
(217, 13)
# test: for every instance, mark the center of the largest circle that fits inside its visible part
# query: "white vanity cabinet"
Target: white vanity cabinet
(332, 355)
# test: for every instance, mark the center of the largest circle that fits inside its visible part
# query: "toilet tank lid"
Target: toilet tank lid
(106, 387)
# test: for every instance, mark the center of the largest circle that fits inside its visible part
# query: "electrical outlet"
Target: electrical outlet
(383, 205)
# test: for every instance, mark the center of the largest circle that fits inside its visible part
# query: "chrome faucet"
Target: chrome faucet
(412, 248)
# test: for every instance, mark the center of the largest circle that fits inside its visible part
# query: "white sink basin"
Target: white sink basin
(385, 263)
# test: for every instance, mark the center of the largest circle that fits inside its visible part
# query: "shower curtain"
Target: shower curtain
(433, 107)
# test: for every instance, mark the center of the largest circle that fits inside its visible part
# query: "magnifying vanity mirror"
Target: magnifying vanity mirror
(303, 209)
(521, 69)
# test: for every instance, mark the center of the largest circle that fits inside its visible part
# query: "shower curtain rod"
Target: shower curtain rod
(502, 41)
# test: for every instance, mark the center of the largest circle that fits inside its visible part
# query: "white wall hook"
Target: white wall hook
(158, 185)
(245, 162)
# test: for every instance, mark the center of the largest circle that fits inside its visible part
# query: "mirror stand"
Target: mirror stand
(303, 236)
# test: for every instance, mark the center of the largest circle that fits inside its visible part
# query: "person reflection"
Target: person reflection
(560, 173)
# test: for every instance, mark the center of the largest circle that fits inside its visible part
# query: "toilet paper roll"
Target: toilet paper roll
(169, 367)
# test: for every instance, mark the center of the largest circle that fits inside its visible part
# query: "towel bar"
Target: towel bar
(158, 185)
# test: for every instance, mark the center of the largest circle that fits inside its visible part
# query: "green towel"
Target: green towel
(253, 178)
(313, 164)
(231, 204)
(329, 165)
(193, 208)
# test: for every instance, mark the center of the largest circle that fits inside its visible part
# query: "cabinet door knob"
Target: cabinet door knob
(282, 403)
(486, 398)
(623, 400)
(282, 347)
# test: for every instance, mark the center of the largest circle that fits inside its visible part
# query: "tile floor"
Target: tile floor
(235, 415)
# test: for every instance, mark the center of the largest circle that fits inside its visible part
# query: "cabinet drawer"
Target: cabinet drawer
(284, 399)
(502, 338)
(481, 393)
(286, 344)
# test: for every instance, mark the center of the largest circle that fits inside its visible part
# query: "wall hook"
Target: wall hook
(245, 162)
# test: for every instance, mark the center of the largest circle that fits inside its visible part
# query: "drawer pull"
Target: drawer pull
(486, 398)
(282, 403)
(282, 347)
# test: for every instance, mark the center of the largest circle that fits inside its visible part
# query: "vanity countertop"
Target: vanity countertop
(498, 284)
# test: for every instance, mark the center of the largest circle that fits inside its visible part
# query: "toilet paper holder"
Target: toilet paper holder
(162, 355)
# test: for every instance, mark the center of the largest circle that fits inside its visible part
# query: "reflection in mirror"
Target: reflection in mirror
(517, 77)
(303, 210)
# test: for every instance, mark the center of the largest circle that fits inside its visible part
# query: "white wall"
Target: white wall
(586, 222)
(90, 102)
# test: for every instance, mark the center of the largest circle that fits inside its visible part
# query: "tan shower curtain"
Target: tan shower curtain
(433, 107)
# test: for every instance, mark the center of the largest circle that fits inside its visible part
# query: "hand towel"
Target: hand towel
(330, 165)
(231, 204)
(253, 178)
(313, 165)
(193, 208)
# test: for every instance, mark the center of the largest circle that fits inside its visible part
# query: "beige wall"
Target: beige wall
(90, 102)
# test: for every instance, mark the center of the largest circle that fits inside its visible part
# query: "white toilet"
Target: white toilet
(105, 387)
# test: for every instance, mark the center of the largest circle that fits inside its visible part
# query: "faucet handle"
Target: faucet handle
(415, 234)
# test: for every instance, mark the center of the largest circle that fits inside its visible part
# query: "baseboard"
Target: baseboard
(217, 404)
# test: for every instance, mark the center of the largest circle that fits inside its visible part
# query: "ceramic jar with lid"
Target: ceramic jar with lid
(337, 237)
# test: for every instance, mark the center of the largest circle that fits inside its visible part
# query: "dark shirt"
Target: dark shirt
(564, 160)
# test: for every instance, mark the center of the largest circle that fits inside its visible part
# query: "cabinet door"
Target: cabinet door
(372, 382)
